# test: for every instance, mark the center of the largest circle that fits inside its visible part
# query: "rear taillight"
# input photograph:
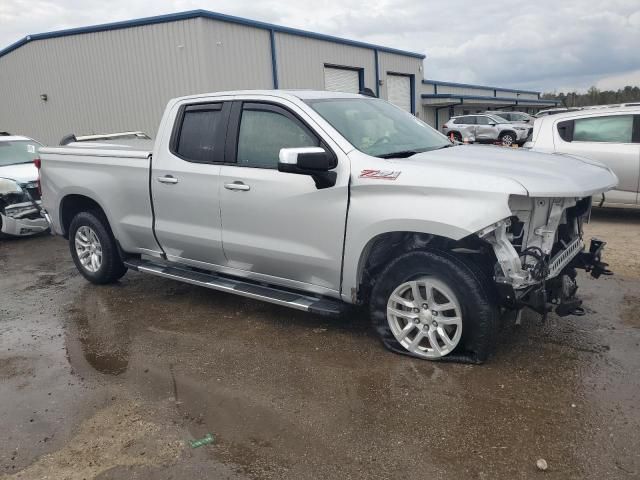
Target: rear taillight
(444, 126)
(38, 163)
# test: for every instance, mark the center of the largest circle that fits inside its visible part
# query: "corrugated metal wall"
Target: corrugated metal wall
(301, 61)
(95, 82)
(121, 80)
(235, 57)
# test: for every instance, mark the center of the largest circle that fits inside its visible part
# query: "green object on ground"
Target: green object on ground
(206, 440)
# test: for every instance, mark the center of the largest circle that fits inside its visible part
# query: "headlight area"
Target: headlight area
(538, 250)
(20, 213)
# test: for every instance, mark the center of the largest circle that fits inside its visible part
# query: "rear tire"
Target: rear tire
(94, 249)
(466, 331)
(457, 137)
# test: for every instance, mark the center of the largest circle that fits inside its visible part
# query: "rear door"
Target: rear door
(279, 227)
(185, 180)
(467, 127)
(613, 140)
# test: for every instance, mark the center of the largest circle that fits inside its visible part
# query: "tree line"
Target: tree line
(595, 96)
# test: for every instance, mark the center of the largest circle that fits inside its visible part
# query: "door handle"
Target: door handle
(168, 179)
(237, 186)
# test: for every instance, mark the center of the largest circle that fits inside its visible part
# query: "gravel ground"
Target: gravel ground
(111, 382)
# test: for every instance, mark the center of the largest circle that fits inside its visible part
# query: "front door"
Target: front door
(185, 182)
(279, 227)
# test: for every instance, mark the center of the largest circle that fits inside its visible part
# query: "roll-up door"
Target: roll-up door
(399, 91)
(341, 80)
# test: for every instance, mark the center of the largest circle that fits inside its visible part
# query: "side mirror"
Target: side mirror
(305, 158)
(313, 161)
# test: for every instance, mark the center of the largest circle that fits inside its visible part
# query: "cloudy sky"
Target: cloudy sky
(553, 45)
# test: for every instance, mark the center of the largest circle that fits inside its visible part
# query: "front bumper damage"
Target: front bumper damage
(558, 292)
(21, 215)
(539, 251)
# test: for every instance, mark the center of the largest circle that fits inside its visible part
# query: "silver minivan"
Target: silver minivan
(608, 135)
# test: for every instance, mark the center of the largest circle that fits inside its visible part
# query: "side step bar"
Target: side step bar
(287, 298)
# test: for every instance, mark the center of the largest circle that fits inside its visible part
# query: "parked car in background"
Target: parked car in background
(20, 212)
(314, 200)
(513, 117)
(485, 128)
(610, 136)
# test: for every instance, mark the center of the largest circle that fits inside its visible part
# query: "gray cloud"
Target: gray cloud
(545, 44)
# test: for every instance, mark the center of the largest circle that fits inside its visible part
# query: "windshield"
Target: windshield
(18, 151)
(377, 128)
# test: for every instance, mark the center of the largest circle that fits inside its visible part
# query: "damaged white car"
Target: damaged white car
(315, 200)
(20, 210)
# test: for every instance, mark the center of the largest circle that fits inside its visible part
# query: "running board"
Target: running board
(287, 298)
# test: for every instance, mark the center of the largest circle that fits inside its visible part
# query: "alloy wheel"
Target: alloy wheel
(425, 317)
(88, 249)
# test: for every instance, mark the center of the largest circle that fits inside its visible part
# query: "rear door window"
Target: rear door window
(197, 135)
(610, 129)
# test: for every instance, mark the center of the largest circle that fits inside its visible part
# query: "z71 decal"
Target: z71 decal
(380, 174)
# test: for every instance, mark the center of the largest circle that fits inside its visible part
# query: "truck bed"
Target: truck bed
(113, 174)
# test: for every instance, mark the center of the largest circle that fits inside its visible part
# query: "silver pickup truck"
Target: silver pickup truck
(317, 200)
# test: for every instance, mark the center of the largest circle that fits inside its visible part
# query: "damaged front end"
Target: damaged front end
(538, 250)
(20, 208)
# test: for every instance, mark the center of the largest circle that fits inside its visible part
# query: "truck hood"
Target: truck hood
(541, 174)
(21, 172)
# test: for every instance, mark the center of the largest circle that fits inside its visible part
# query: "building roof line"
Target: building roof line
(203, 14)
(489, 97)
(470, 85)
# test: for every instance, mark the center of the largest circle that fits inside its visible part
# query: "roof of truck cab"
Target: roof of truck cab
(300, 94)
(13, 138)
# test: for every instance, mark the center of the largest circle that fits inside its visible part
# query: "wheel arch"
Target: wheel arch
(74, 203)
(380, 249)
(512, 132)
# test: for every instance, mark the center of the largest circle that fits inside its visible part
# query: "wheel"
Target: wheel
(507, 139)
(94, 249)
(456, 136)
(431, 304)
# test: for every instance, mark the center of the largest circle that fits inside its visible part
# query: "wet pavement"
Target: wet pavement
(111, 382)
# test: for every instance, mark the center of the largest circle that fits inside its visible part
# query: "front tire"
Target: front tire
(94, 249)
(507, 139)
(430, 304)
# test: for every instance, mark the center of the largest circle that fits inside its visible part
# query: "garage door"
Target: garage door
(399, 91)
(341, 80)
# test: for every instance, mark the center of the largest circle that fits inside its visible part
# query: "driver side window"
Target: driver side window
(264, 131)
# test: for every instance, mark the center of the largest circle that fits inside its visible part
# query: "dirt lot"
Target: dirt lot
(110, 382)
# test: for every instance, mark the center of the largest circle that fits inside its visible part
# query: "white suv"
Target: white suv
(485, 128)
(608, 135)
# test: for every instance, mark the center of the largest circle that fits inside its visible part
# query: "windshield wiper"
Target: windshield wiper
(400, 154)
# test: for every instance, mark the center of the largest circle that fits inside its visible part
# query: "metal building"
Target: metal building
(119, 76)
